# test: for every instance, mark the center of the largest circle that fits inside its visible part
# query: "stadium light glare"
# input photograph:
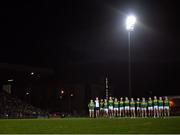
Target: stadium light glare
(130, 22)
(62, 92)
(10, 80)
(32, 73)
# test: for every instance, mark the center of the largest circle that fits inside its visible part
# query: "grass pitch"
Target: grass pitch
(90, 126)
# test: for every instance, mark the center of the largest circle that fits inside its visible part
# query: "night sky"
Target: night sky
(89, 37)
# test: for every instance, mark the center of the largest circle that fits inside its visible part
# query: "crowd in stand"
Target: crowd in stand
(11, 107)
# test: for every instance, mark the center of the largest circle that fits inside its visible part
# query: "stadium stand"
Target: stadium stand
(11, 107)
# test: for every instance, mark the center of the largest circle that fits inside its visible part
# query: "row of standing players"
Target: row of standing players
(156, 107)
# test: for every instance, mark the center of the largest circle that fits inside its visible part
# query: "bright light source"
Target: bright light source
(62, 91)
(32, 73)
(130, 22)
(27, 93)
(72, 95)
(10, 80)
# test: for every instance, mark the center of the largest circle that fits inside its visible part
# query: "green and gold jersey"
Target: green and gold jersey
(126, 102)
(121, 104)
(116, 104)
(110, 102)
(138, 103)
(132, 104)
(143, 104)
(155, 102)
(166, 102)
(150, 103)
(101, 104)
(160, 102)
(105, 105)
(91, 105)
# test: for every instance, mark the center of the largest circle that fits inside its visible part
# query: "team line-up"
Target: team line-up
(156, 107)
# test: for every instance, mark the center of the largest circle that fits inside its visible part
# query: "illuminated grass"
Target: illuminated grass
(86, 125)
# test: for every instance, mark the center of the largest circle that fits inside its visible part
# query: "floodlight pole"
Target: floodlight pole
(107, 88)
(129, 65)
(130, 22)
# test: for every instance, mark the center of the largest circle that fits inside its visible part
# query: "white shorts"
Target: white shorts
(138, 108)
(160, 107)
(91, 110)
(156, 107)
(111, 108)
(143, 109)
(115, 109)
(150, 108)
(132, 108)
(106, 110)
(166, 107)
(126, 107)
(121, 108)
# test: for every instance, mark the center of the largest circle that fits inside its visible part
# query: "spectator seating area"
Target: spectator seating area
(11, 107)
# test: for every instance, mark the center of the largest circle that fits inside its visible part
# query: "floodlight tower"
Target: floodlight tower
(130, 23)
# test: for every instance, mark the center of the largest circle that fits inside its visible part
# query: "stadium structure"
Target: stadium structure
(41, 88)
